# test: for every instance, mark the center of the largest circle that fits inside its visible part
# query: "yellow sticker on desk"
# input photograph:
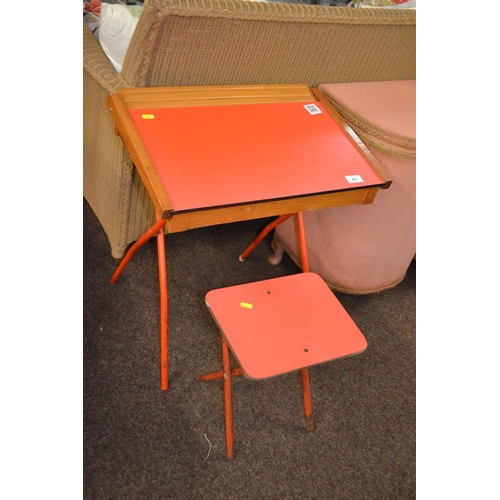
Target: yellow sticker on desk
(148, 117)
(246, 305)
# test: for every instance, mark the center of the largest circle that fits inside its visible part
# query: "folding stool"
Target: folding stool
(278, 326)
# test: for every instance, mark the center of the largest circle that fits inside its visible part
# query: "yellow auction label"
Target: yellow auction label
(246, 305)
(148, 117)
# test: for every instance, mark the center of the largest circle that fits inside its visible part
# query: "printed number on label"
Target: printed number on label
(351, 179)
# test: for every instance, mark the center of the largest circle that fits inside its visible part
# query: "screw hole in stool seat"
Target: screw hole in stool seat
(278, 326)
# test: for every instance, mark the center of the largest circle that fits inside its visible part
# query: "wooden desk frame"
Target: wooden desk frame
(124, 100)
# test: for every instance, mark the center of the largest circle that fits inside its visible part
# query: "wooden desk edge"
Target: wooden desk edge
(353, 137)
(182, 221)
(216, 95)
(126, 129)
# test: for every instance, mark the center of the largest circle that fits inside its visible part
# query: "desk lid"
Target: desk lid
(209, 156)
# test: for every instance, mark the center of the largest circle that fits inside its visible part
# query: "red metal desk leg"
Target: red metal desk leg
(302, 240)
(263, 234)
(156, 230)
(162, 273)
(138, 244)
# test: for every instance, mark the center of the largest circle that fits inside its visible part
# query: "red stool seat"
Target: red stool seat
(278, 326)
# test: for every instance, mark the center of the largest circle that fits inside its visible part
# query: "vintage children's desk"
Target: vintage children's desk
(214, 155)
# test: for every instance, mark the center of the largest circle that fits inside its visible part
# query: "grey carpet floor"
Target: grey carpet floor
(144, 443)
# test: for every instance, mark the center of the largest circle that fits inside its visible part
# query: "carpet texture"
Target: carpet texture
(144, 443)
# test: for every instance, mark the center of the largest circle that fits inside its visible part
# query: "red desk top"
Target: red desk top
(209, 156)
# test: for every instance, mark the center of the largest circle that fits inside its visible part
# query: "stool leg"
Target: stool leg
(306, 391)
(235, 372)
(162, 274)
(228, 401)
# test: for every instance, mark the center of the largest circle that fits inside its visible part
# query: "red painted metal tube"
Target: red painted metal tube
(162, 275)
(263, 234)
(235, 372)
(306, 386)
(302, 241)
(306, 391)
(155, 230)
(138, 244)
(228, 399)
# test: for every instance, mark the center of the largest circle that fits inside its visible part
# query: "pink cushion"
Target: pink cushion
(387, 110)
